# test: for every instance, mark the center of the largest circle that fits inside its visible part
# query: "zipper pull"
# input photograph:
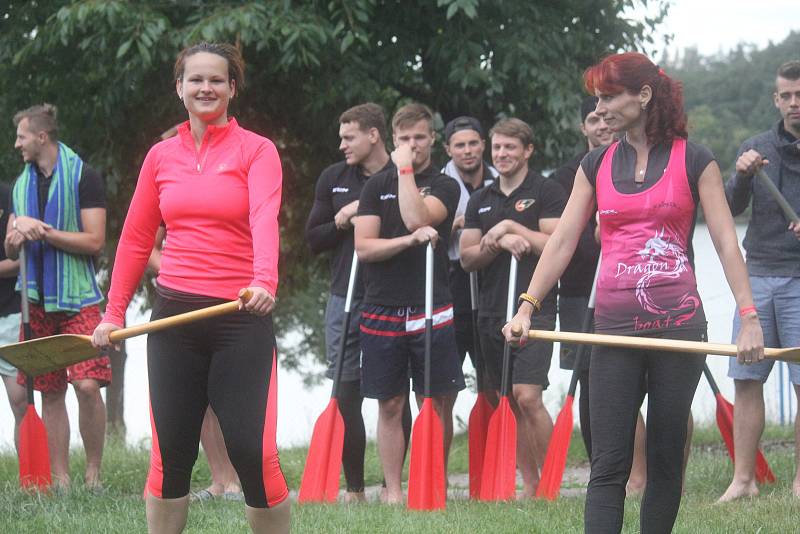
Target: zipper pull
(198, 166)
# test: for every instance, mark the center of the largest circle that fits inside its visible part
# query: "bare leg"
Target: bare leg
(18, 401)
(92, 424)
(796, 483)
(391, 445)
(275, 520)
(223, 476)
(166, 516)
(638, 476)
(748, 424)
(536, 428)
(54, 415)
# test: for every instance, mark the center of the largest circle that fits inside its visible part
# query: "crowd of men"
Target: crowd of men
(386, 208)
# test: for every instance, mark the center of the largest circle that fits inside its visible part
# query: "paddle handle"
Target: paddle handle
(778, 197)
(476, 342)
(348, 302)
(710, 378)
(25, 311)
(587, 326)
(185, 318)
(428, 315)
(651, 343)
(510, 301)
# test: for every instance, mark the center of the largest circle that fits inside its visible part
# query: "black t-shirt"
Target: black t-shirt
(337, 186)
(623, 165)
(400, 280)
(579, 275)
(9, 298)
(91, 194)
(536, 198)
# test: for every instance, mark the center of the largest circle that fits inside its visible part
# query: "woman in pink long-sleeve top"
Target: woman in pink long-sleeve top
(217, 187)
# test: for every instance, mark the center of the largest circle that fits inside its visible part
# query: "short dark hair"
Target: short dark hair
(514, 127)
(462, 123)
(588, 105)
(790, 70)
(41, 118)
(410, 114)
(367, 116)
(229, 52)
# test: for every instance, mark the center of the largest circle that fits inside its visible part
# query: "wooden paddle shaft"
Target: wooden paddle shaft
(184, 318)
(645, 343)
(777, 196)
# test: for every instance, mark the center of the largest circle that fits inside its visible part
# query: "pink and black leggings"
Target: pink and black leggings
(228, 362)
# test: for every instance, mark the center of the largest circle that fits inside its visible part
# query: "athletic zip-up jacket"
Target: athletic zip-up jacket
(220, 206)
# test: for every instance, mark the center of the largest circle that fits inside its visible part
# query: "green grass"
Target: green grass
(120, 508)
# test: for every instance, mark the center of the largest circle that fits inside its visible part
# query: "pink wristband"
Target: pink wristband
(747, 309)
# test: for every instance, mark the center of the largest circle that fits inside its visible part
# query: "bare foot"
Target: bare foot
(355, 497)
(392, 497)
(92, 479)
(738, 490)
(796, 487)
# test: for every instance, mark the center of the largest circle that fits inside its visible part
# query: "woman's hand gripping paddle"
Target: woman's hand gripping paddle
(725, 423)
(556, 459)
(34, 456)
(426, 486)
(320, 481)
(478, 424)
(498, 482)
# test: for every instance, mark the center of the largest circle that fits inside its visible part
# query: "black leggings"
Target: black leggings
(355, 440)
(619, 379)
(583, 411)
(229, 363)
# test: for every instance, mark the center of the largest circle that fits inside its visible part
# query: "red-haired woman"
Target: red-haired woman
(217, 187)
(647, 187)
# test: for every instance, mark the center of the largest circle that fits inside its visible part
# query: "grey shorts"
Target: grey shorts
(334, 317)
(9, 333)
(777, 301)
(571, 312)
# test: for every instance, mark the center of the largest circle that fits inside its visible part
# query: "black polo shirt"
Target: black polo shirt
(578, 277)
(337, 186)
(536, 198)
(400, 280)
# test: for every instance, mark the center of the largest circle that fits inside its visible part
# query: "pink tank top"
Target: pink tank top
(647, 283)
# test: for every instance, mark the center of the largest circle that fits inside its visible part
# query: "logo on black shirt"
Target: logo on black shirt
(424, 191)
(340, 190)
(388, 196)
(524, 203)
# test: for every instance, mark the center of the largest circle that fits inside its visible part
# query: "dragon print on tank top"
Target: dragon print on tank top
(647, 283)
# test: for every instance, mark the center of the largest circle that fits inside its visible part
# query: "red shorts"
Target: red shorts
(49, 324)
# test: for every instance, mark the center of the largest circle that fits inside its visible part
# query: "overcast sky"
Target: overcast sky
(711, 25)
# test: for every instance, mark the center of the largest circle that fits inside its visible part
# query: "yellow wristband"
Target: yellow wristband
(533, 301)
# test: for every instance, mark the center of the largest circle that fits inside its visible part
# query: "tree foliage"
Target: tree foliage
(107, 65)
(729, 97)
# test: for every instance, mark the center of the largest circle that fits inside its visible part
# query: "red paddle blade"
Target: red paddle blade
(764, 474)
(478, 426)
(320, 481)
(725, 423)
(556, 459)
(498, 482)
(34, 457)
(426, 488)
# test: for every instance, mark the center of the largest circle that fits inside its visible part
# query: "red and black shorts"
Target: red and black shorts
(393, 345)
(84, 322)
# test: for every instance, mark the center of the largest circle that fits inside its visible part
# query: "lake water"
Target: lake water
(299, 406)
